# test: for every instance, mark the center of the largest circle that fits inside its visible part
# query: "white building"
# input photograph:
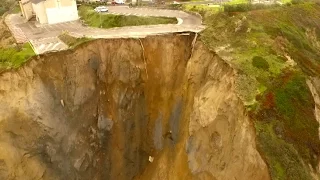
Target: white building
(50, 11)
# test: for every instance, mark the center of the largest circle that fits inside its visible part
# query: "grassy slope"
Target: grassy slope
(12, 55)
(15, 56)
(109, 21)
(276, 93)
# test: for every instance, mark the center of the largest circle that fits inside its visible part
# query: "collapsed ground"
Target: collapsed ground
(13, 55)
(274, 51)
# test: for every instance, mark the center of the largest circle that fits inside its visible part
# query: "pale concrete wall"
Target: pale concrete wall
(62, 13)
(51, 3)
(40, 11)
(59, 3)
(65, 3)
(26, 9)
(51, 11)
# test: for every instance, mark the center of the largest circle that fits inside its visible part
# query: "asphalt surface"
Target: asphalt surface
(44, 37)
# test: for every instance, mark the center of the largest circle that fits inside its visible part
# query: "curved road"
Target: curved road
(44, 37)
(186, 22)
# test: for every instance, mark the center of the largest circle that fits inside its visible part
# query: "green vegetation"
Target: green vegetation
(233, 2)
(71, 41)
(260, 62)
(285, 1)
(284, 161)
(5, 6)
(12, 55)
(174, 6)
(246, 7)
(2, 10)
(262, 43)
(91, 18)
(297, 1)
(16, 9)
(15, 57)
(204, 10)
(287, 130)
(237, 2)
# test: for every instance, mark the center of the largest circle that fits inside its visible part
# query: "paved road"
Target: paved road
(44, 37)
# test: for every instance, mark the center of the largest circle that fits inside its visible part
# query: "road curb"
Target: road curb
(180, 21)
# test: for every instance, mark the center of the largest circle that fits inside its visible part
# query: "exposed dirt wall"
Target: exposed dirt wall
(108, 108)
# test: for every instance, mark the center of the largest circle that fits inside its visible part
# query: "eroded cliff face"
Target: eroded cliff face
(103, 110)
(222, 140)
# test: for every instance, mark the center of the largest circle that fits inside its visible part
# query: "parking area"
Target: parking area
(33, 30)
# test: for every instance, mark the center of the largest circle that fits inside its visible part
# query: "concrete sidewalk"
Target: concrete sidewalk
(12, 20)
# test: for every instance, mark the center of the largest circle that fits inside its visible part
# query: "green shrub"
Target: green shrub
(260, 62)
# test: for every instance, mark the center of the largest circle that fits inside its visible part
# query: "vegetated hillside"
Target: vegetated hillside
(5, 6)
(276, 51)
